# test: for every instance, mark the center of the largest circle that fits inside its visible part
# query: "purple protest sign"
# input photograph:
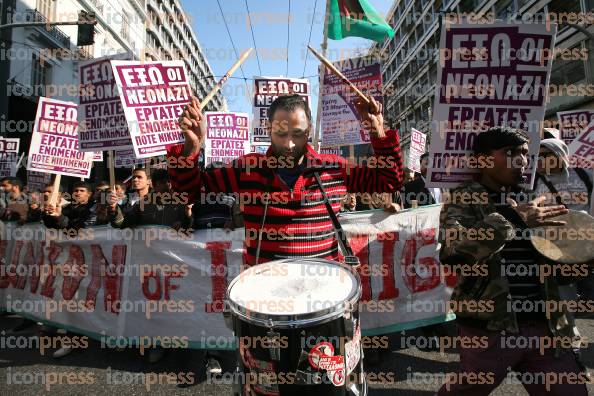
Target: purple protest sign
(572, 123)
(494, 74)
(126, 159)
(266, 90)
(9, 156)
(153, 96)
(341, 123)
(103, 124)
(54, 144)
(582, 148)
(36, 181)
(227, 136)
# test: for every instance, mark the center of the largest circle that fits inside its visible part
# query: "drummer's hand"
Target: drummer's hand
(538, 216)
(372, 116)
(193, 124)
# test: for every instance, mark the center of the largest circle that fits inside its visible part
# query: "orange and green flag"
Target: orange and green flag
(356, 18)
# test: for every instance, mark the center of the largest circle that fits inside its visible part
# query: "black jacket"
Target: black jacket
(416, 190)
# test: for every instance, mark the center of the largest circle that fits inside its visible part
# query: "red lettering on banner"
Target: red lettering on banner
(389, 289)
(74, 272)
(98, 265)
(47, 289)
(3, 270)
(113, 279)
(14, 262)
(156, 295)
(413, 281)
(170, 286)
(33, 262)
(218, 265)
(360, 246)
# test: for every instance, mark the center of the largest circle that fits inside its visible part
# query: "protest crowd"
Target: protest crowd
(292, 253)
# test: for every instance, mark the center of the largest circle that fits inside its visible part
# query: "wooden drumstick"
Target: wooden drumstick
(224, 79)
(338, 73)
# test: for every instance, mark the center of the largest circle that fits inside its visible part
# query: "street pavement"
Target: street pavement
(406, 370)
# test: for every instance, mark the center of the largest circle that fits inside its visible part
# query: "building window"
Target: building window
(564, 6)
(40, 73)
(47, 8)
(568, 71)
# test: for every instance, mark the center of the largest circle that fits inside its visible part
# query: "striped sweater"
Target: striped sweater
(297, 222)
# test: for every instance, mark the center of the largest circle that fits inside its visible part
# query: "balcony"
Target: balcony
(53, 34)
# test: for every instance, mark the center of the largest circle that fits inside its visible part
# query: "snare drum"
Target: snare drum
(296, 324)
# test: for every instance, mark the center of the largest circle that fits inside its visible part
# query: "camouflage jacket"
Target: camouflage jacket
(468, 213)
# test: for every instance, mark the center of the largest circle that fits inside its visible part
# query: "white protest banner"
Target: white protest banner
(103, 124)
(266, 90)
(153, 96)
(572, 123)
(582, 148)
(227, 136)
(54, 144)
(417, 148)
(492, 74)
(9, 156)
(127, 159)
(36, 181)
(341, 123)
(154, 281)
(97, 156)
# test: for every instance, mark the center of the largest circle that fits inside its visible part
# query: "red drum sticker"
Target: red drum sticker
(318, 351)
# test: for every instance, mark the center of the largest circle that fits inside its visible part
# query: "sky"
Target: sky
(269, 22)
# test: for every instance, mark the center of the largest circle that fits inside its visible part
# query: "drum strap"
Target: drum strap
(266, 198)
(349, 257)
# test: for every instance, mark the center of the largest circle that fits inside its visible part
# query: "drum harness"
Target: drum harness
(349, 258)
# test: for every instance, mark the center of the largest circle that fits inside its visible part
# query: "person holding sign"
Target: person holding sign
(513, 296)
(297, 222)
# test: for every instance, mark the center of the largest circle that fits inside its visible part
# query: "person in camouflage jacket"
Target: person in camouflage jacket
(478, 230)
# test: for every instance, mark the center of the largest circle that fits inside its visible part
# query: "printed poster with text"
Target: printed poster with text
(103, 124)
(582, 148)
(9, 156)
(153, 96)
(417, 148)
(266, 90)
(341, 123)
(571, 124)
(489, 75)
(54, 144)
(227, 136)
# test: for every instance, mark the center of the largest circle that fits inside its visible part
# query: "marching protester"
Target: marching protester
(16, 201)
(295, 204)
(416, 193)
(503, 211)
(77, 214)
(155, 206)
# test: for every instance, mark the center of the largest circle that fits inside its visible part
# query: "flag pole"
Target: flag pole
(322, 69)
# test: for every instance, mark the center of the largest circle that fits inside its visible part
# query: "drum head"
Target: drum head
(293, 290)
(568, 244)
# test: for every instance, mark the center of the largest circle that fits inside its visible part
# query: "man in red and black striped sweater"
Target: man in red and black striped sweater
(297, 222)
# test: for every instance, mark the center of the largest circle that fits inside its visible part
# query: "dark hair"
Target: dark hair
(141, 169)
(82, 184)
(122, 185)
(159, 175)
(497, 138)
(102, 183)
(52, 186)
(15, 181)
(288, 103)
(423, 156)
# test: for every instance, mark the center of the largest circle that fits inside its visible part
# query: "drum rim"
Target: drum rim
(296, 320)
